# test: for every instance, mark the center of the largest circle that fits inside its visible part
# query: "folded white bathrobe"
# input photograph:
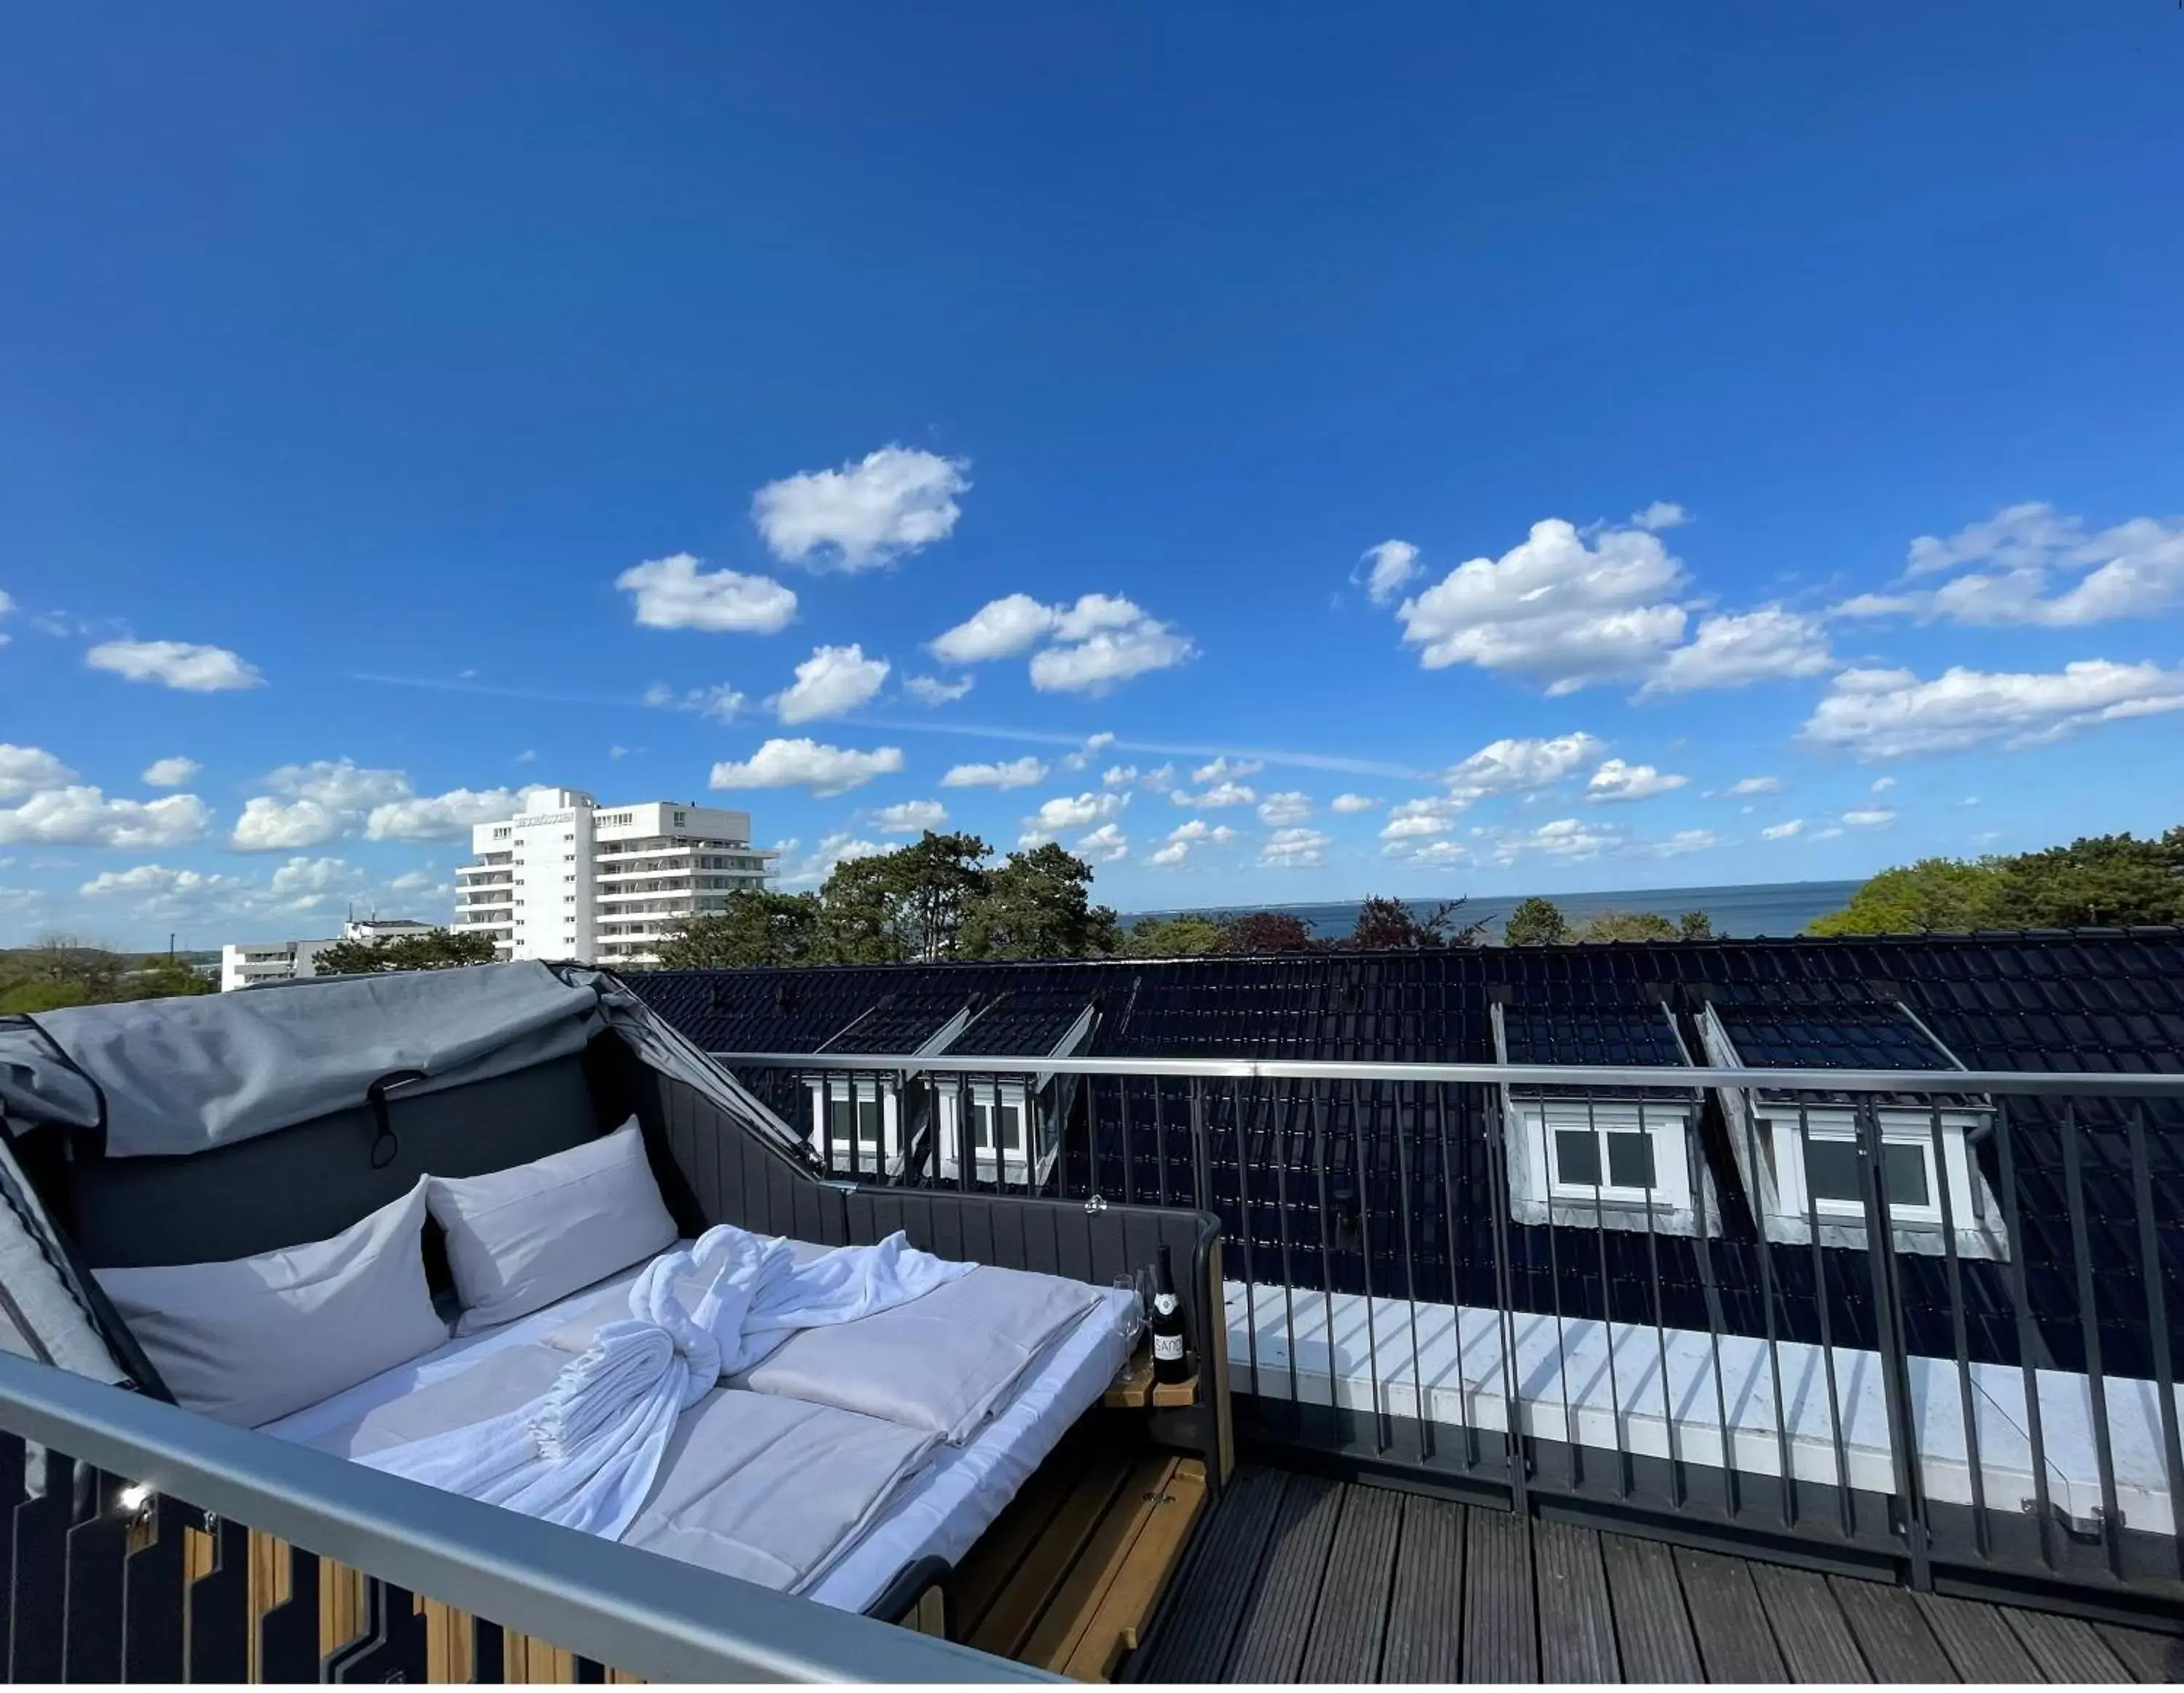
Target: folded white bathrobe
(586, 1452)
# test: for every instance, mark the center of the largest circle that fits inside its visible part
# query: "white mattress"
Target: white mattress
(941, 1513)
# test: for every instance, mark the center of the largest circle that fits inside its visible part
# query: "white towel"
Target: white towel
(586, 1452)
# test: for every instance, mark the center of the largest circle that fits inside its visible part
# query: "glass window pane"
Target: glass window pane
(1904, 1167)
(1577, 1157)
(1630, 1160)
(1831, 1168)
(1012, 1128)
(868, 1121)
(838, 1118)
(983, 1116)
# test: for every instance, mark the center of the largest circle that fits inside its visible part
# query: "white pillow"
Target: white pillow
(522, 1238)
(254, 1338)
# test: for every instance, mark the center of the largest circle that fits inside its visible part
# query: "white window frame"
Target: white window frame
(1664, 1122)
(1015, 1161)
(1900, 1127)
(856, 1091)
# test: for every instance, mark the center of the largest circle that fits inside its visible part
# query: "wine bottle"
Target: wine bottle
(1169, 1365)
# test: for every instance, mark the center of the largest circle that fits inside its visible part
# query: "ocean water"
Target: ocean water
(1766, 908)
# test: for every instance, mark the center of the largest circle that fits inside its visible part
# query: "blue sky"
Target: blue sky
(1445, 449)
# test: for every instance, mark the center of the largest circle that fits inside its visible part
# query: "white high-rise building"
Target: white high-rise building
(251, 962)
(564, 878)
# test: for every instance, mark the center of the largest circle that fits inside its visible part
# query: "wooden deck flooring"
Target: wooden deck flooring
(1298, 1578)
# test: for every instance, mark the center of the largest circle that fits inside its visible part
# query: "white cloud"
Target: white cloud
(176, 664)
(441, 817)
(1118, 775)
(1160, 780)
(1881, 784)
(1017, 773)
(1094, 746)
(1094, 664)
(1292, 807)
(1616, 781)
(1065, 812)
(1394, 565)
(340, 784)
(2025, 554)
(85, 816)
(7, 606)
(1224, 769)
(1879, 714)
(527, 756)
(1293, 849)
(871, 510)
(999, 629)
(1875, 819)
(301, 875)
(171, 772)
(910, 817)
(832, 680)
(1436, 853)
(930, 690)
(799, 872)
(1685, 841)
(720, 701)
(1346, 803)
(1509, 766)
(1662, 513)
(674, 592)
(1756, 784)
(1174, 852)
(156, 879)
(806, 764)
(29, 769)
(1566, 840)
(1553, 608)
(1103, 845)
(1783, 832)
(271, 824)
(1198, 829)
(1414, 820)
(1032, 837)
(1220, 793)
(1733, 650)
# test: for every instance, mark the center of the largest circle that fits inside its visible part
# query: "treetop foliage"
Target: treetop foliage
(59, 972)
(440, 949)
(2096, 881)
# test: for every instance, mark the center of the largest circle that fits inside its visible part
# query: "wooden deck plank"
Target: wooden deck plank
(1270, 1639)
(1892, 1631)
(1068, 1615)
(2146, 1655)
(1426, 1607)
(1500, 1636)
(1141, 1571)
(1815, 1641)
(1024, 1596)
(1576, 1625)
(1736, 1642)
(1647, 1601)
(1979, 1641)
(1349, 1622)
(2066, 1648)
(1215, 1580)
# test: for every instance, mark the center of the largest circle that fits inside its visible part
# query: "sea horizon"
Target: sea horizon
(1740, 911)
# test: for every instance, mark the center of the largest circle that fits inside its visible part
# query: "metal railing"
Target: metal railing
(105, 1583)
(1714, 1344)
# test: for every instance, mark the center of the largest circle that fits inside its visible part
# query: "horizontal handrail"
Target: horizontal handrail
(616, 1605)
(2047, 1083)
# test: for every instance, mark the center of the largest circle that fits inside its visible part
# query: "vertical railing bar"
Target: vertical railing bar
(1765, 1248)
(966, 1133)
(1455, 1283)
(1606, 1288)
(827, 1119)
(1572, 1460)
(2157, 1318)
(1497, 1198)
(1381, 1430)
(1129, 1186)
(1827, 1321)
(1160, 1151)
(1244, 1204)
(1732, 1489)
(1326, 1268)
(1411, 1282)
(2028, 1352)
(1959, 1334)
(1289, 1271)
(2089, 1316)
(1889, 1339)
(1660, 1322)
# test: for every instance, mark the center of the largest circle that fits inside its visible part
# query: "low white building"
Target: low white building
(567, 878)
(250, 963)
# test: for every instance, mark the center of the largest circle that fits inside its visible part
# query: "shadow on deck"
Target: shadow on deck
(1295, 1578)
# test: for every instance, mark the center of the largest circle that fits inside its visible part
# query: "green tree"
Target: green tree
(1695, 925)
(438, 950)
(907, 904)
(60, 972)
(1628, 926)
(1537, 923)
(1037, 903)
(1188, 935)
(1934, 896)
(1392, 925)
(758, 927)
(2098, 881)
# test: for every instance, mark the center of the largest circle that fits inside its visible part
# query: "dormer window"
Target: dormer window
(1611, 1157)
(1799, 1152)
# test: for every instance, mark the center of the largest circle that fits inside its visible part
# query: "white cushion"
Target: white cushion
(254, 1338)
(520, 1238)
